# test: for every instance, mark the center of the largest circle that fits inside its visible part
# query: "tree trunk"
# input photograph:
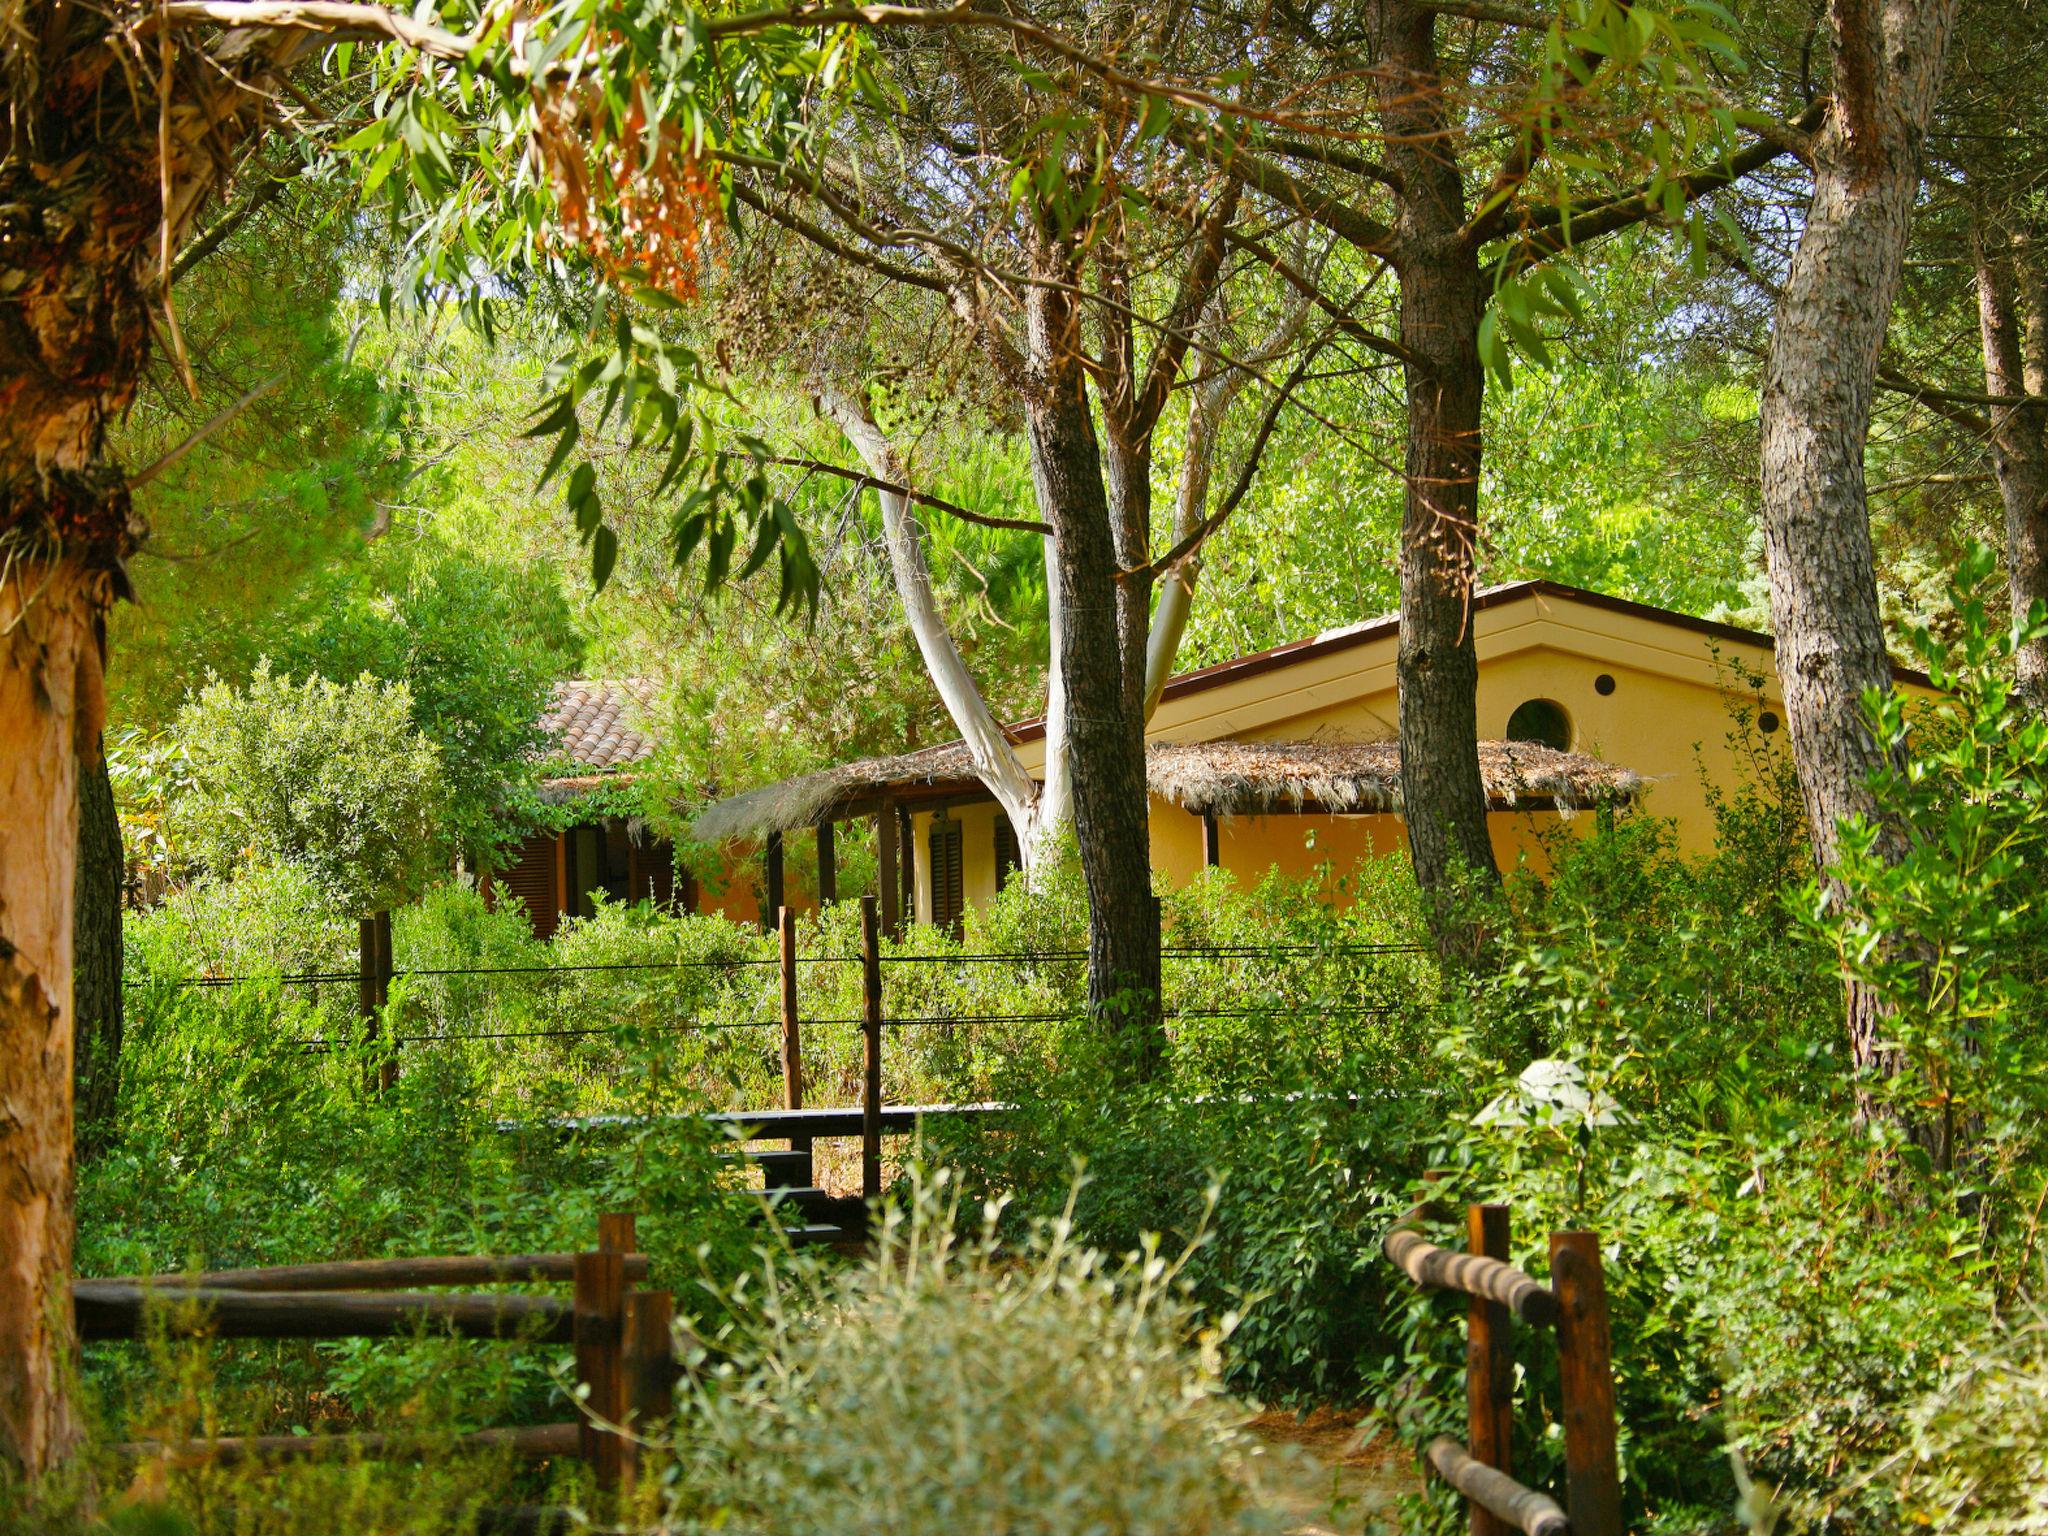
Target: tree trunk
(1443, 297)
(1105, 728)
(49, 702)
(96, 973)
(995, 760)
(2012, 310)
(1831, 320)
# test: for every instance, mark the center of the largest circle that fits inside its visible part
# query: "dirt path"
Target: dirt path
(1352, 1488)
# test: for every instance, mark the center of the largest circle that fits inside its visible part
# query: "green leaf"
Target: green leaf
(604, 554)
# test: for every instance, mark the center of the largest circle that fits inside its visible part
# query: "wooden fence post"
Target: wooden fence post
(373, 990)
(871, 1036)
(616, 1232)
(1489, 1366)
(600, 1309)
(1585, 1352)
(649, 1366)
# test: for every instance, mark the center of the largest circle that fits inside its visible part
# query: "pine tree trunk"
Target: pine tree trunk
(49, 701)
(1443, 297)
(1104, 706)
(2012, 309)
(96, 972)
(1831, 320)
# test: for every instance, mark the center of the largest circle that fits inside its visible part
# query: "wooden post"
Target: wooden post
(828, 866)
(1489, 1366)
(564, 851)
(387, 1069)
(615, 1232)
(1585, 1352)
(871, 1035)
(649, 1366)
(792, 1041)
(366, 974)
(773, 860)
(600, 1310)
(907, 869)
(1212, 841)
(886, 879)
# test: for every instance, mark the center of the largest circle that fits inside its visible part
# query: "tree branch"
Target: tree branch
(1545, 228)
(825, 240)
(1477, 10)
(1247, 472)
(863, 480)
(213, 424)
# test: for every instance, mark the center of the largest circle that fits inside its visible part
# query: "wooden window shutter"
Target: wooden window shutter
(948, 902)
(531, 877)
(1008, 859)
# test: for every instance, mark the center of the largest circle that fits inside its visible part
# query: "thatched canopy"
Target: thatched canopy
(1223, 778)
(1250, 778)
(814, 797)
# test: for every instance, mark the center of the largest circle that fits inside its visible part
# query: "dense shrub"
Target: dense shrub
(949, 1384)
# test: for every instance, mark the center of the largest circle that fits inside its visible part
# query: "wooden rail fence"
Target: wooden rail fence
(1575, 1305)
(624, 1338)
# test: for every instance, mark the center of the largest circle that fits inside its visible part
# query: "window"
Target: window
(944, 863)
(1008, 859)
(1542, 721)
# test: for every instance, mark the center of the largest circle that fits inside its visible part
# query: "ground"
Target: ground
(1355, 1485)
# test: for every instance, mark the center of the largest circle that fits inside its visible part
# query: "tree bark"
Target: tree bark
(96, 971)
(995, 760)
(2012, 312)
(1443, 297)
(49, 700)
(1105, 727)
(1832, 314)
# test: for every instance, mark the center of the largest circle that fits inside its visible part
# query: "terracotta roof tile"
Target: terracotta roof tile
(596, 723)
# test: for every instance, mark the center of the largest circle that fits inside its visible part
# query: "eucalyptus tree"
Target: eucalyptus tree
(897, 371)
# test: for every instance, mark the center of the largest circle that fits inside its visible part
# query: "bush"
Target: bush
(332, 778)
(945, 1386)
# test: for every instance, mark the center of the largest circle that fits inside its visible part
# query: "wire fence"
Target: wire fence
(1022, 957)
(948, 1000)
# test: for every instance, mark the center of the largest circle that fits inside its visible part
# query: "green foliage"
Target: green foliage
(1950, 932)
(952, 1383)
(476, 643)
(250, 526)
(334, 778)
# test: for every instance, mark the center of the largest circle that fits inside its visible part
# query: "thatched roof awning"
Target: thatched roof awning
(1224, 778)
(814, 797)
(1250, 778)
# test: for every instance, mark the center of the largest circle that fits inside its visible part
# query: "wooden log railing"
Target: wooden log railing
(1575, 1304)
(624, 1339)
(386, 1274)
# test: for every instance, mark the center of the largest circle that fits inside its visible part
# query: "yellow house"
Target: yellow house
(1288, 758)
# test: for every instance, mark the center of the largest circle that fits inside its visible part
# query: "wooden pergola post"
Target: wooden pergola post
(772, 903)
(828, 865)
(887, 881)
(906, 838)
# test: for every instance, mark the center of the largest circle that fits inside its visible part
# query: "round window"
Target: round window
(1542, 721)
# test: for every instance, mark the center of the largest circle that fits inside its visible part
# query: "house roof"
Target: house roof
(592, 722)
(1226, 778)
